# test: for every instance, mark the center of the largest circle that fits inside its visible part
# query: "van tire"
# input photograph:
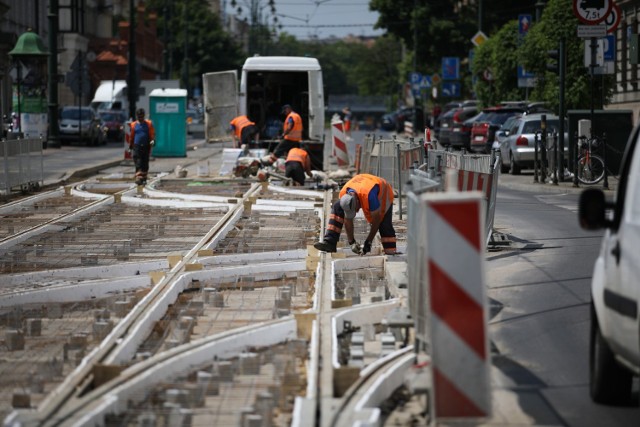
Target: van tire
(610, 383)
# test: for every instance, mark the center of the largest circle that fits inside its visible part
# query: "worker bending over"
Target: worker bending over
(374, 196)
(298, 163)
(244, 131)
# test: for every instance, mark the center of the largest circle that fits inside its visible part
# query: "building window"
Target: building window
(71, 16)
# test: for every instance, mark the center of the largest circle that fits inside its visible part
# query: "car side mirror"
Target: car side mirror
(501, 134)
(592, 208)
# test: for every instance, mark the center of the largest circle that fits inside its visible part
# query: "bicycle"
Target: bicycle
(589, 167)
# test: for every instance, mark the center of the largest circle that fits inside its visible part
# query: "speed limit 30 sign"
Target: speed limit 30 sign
(592, 12)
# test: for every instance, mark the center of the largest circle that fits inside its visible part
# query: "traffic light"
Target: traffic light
(554, 67)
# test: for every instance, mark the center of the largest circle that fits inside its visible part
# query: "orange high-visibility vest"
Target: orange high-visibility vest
(296, 133)
(363, 184)
(299, 155)
(240, 123)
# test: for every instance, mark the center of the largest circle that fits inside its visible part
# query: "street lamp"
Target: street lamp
(29, 74)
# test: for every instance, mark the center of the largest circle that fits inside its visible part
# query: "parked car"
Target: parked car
(503, 132)
(614, 350)
(113, 122)
(395, 121)
(80, 124)
(437, 125)
(517, 149)
(485, 127)
(444, 133)
(463, 119)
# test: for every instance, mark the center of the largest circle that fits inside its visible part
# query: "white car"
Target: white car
(615, 286)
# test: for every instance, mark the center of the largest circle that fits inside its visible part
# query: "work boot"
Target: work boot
(325, 246)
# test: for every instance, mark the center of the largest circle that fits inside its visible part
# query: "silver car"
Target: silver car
(517, 144)
(81, 124)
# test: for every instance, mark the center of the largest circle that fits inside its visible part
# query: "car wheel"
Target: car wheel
(610, 383)
(514, 169)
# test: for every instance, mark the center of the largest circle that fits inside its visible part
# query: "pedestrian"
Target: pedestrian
(374, 196)
(298, 163)
(346, 111)
(244, 131)
(291, 132)
(141, 141)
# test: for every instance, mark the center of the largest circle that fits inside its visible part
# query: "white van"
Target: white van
(615, 286)
(113, 95)
(266, 84)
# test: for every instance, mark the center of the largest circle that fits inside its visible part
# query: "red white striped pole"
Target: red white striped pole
(458, 309)
(339, 143)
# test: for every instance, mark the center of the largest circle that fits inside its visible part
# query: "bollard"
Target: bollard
(536, 164)
(605, 183)
(555, 156)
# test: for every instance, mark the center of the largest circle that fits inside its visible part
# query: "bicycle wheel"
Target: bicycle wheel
(590, 171)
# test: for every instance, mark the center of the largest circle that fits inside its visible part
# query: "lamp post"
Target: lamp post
(54, 133)
(28, 55)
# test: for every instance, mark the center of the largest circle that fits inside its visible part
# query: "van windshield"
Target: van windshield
(75, 114)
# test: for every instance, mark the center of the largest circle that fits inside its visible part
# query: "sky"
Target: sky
(309, 19)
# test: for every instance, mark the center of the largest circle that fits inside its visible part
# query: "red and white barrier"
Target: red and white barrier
(458, 308)
(339, 143)
(127, 133)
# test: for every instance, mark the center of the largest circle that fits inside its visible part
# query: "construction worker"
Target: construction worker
(374, 196)
(298, 163)
(244, 131)
(346, 111)
(291, 132)
(141, 141)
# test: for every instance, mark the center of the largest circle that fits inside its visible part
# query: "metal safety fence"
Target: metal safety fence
(391, 159)
(22, 165)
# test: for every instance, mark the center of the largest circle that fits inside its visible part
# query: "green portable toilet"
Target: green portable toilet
(169, 116)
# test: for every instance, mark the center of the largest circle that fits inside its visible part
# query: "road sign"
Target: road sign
(524, 22)
(436, 79)
(425, 83)
(525, 78)
(592, 12)
(605, 55)
(451, 89)
(479, 38)
(451, 68)
(415, 78)
(588, 31)
(613, 19)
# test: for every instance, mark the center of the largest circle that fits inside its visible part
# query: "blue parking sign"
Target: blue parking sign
(451, 68)
(415, 78)
(451, 89)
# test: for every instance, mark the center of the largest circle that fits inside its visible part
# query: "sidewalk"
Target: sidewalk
(525, 182)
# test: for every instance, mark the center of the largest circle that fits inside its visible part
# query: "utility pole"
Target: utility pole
(186, 49)
(53, 139)
(132, 86)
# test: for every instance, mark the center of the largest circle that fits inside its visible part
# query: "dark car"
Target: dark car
(484, 128)
(461, 124)
(113, 122)
(395, 121)
(80, 124)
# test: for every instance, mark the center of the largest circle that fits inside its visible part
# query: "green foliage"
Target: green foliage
(209, 47)
(495, 66)
(558, 22)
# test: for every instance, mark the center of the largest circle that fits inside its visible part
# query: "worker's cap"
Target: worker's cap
(285, 107)
(349, 204)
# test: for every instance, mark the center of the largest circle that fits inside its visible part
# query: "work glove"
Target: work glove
(355, 247)
(152, 143)
(366, 248)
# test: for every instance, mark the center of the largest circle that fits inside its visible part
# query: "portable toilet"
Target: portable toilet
(168, 112)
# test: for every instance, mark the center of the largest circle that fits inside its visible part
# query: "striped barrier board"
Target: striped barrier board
(471, 181)
(454, 260)
(127, 133)
(339, 143)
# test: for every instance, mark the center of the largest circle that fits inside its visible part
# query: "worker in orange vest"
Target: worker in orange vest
(291, 132)
(244, 131)
(141, 140)
(372, 194)
(298, 163)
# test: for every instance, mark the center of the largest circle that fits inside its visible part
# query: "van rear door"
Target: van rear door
(220, 103)
(316, 106)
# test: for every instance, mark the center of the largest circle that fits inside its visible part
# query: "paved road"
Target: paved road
(539, 291)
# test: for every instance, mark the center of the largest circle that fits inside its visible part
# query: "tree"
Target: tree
(559, 22)
(495, 67)
(208, 47)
